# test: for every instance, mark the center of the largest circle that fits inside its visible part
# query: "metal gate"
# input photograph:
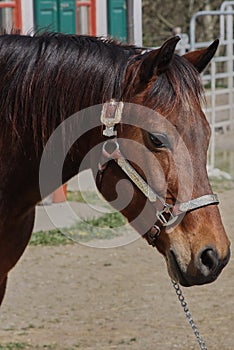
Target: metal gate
(219, 77)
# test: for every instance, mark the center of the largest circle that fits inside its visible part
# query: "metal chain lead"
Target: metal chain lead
(189, 316)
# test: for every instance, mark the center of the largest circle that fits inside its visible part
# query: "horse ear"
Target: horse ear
(201, 58)
(157, 61)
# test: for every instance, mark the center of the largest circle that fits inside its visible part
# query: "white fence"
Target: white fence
(219, 77)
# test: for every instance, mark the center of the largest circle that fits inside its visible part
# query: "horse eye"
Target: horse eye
(159, 140)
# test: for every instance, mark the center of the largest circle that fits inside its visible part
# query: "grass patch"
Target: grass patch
(87, 197)
(105, 227)
(49, 238)
(13, 346)
(110, 220)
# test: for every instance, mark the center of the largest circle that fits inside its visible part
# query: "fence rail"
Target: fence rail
(219, 77)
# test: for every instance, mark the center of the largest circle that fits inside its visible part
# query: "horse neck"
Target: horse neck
(90, 79)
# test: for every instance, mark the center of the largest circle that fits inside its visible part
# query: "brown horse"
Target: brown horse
(47, 78)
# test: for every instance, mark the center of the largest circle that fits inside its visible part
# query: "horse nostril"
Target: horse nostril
(208, 261)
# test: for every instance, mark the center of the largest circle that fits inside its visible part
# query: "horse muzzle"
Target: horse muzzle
(205, 267)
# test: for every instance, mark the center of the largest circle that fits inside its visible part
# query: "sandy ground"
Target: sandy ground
(77, 297)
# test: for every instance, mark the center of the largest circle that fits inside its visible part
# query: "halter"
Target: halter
(166, 214)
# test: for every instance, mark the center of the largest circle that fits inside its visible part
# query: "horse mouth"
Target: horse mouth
(207, 269)
(175, 270)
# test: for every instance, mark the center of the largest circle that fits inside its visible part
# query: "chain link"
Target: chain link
(189, 316)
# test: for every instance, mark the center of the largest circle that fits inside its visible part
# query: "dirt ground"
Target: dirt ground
(77, 297)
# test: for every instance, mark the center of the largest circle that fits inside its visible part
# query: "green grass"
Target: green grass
(14, 346)
(77, 196)
(87, 197)
(105, 227)
(110, 220)
(49, 238)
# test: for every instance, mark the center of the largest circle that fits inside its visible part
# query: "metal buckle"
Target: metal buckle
(166, 210)
(161, 218)
(111, 115)
(153, 235)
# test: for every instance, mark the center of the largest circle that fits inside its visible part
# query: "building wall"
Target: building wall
(101, 18)
(138, 22)
(27, 16)
(102, 28)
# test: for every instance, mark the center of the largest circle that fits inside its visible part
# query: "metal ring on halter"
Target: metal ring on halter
(106, 152)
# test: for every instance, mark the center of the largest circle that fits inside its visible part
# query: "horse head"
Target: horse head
(162, 141)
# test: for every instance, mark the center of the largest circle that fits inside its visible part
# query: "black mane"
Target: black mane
(48, 77)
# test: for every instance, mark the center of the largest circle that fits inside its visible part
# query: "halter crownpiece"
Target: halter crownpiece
(168, 214)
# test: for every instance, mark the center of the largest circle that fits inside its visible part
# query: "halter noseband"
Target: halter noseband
(166, 214)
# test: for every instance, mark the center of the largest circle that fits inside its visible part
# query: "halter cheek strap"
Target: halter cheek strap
(166, 214)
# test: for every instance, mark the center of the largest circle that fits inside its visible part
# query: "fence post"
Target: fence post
(212, 119)
(230, 64)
